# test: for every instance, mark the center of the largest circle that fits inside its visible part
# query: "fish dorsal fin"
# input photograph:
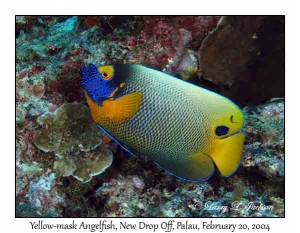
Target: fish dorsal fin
(228, 153)
(196, 167)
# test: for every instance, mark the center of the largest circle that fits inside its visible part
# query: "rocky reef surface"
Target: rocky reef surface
(66, 167)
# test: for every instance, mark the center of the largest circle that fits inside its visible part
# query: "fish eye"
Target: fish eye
(231, 119)
(221, 130)
(107, 72)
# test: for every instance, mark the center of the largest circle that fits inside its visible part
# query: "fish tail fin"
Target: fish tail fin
(228, 153)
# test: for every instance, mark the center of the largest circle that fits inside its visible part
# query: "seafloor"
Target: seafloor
(65, 167)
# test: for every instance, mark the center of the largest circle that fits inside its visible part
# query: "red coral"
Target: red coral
(92, 20)
(180, 39)
(47, 197)
(28, 151)
(164, 38)
(35, 69)
(163, 59)
(52, 107)
(22, 74)
(37, 90)
(199, 26)
(87, 21)
(68, 82)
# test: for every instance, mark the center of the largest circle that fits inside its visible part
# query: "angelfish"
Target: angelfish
(185, 129)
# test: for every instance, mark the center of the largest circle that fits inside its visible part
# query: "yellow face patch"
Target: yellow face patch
(231, 118)
(107, 72)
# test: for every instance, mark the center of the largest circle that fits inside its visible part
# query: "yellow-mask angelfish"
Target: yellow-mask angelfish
(185, 129)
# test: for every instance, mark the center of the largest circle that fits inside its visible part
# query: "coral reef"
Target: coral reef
(70, 128)
(244, 55)
(64, 163)
(84, 168)
(69, 132)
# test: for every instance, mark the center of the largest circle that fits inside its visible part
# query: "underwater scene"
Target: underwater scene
(150, 116)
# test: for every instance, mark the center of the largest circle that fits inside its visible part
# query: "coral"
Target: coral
(37, 90)
(162, 41)
(265, 144)
(26, 210)
(70, 134)
(93, 164)
(90, 164)
(65, 27)
(238, 192)
(67, 84)
(199, 26)
(43, 195)
(25, 23)
(185, 66)
(106, 24)
(278, 204)
(138, 182)
(238, 53)
(245, 55)
(69, 128)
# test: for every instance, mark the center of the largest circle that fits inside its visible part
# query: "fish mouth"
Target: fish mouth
(235, 133)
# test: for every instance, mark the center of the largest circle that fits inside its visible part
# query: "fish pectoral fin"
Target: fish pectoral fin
(228, 154)
(196, 167)
(123, 108)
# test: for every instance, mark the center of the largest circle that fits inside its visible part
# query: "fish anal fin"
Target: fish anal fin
(195, 168)
(228, 153)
